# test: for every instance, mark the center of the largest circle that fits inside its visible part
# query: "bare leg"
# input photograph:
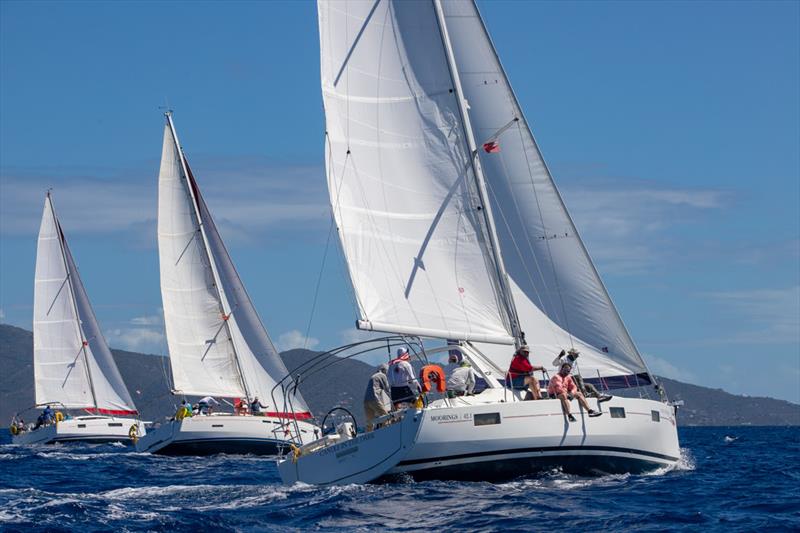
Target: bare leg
(564, 403)
(533, 383)
(582, 400)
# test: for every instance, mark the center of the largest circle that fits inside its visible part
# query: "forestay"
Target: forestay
(73, 366)
(543, 252)
(399, 175)
(217, 343)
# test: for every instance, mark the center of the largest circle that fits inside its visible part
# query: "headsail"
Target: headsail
(542, 249)
(400, 176)
(72, 363)
(217, 343)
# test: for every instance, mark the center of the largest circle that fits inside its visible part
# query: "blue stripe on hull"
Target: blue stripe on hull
(215, 446)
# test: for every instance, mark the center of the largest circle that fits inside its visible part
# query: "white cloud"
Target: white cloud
(151, 320)
(662, 367)
(245, 198)
(625, 226)
(137, 339)
(772, 315)
(295, 339)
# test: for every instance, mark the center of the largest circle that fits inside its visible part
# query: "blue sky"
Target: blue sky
(672, 129)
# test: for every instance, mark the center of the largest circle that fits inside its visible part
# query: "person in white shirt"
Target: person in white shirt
(571, 358)
(206, 405)
(461, 381)
(404, 385)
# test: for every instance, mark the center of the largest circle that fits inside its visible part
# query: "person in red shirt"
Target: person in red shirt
(520, 373)
(562, 385)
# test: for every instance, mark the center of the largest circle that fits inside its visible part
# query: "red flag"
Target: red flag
(492, 147)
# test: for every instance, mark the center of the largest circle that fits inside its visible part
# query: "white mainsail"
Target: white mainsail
(73, 365)
(400, 177)
(543, 252)
(217, 343)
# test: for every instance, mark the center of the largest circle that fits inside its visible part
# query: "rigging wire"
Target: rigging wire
(319, 282)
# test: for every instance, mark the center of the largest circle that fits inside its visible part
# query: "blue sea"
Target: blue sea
(730, 479)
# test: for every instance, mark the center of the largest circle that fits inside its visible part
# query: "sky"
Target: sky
(671, 128)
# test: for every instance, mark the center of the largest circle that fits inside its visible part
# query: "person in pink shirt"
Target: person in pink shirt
(562, 386)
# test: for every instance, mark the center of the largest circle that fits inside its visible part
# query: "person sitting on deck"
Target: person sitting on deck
(520, 373)
(377, 399)
(563, 387)
(404, 384)
(256, 406)
(587, 389)
(207, 404)
(461, 381)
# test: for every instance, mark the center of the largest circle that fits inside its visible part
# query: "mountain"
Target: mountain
(343, 384)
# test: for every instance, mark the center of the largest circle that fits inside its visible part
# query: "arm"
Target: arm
(557, 384)
(470, 381)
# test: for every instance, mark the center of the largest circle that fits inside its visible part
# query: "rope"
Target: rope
(319, 282)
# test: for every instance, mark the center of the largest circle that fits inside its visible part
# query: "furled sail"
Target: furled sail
(543, 252)
(400, 176)
(217, 343)
(72, 363)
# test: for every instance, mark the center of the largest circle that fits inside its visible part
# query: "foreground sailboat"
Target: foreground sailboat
(452, 228)
(72, 365)
(217, 343)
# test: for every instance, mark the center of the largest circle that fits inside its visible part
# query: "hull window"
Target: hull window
(115, 424)
(486, 419)
(81, 425)
(617, 412)
(217, 425)
(656, 416)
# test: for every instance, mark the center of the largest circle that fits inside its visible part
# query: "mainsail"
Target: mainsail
(543, 252)
(217, 343)
(73, 366)
(400, 176)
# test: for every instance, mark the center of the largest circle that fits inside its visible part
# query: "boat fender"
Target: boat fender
(14, 429)
(133, 433)
(430, 375)
(59, 416)
(296, 453)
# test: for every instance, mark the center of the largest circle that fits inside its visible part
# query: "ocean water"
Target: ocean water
(730, 479)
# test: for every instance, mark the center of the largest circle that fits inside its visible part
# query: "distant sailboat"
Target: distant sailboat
(72, 365)
(453, 229)
(217, 343)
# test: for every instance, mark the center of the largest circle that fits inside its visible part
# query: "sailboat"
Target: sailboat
(453, 230)
(217, 343)
(72, 365)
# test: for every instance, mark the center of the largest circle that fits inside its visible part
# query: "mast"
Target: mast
(215, 273)
(480, 182)
(84, 343)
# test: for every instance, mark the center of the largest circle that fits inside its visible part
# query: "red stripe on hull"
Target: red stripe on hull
(94, 411)
(295, 416)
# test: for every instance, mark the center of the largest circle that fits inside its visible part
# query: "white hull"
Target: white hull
(360, 459)
(223, 433)
(82, 429)
(520, 438)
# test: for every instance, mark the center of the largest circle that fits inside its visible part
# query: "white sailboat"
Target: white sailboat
(217, 343)
(452, 228)
(72, 365)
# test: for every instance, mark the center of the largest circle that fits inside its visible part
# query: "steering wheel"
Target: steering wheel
(325, 430)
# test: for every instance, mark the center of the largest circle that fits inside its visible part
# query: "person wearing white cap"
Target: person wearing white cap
(377, 401)
(404, 384)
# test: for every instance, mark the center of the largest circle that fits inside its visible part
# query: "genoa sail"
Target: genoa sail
(217, 343)
(73, 365)
(543, 252)
(400, 176)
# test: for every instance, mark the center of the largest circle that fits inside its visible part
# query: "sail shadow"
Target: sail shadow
(418, 262)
